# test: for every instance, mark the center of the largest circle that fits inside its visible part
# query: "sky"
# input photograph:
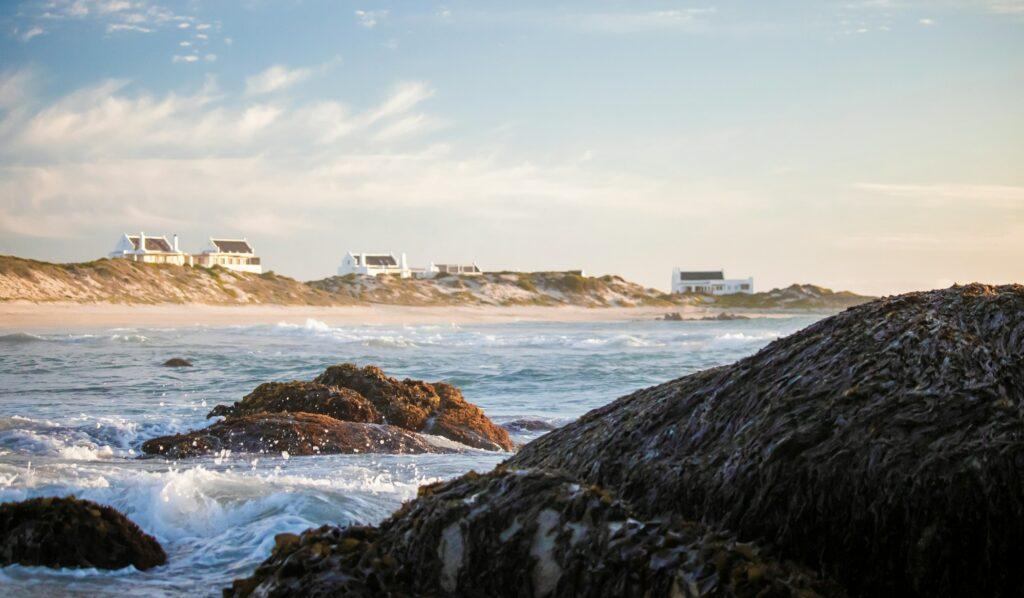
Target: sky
(872, 145)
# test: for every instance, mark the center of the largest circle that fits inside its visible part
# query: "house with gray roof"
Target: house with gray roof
(374, 264)
(709, 282)
(233, 254)
(149, 249)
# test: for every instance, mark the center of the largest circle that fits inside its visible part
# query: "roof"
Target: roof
(376, 259)
(716, 275)
(232, 245)
(152, 243)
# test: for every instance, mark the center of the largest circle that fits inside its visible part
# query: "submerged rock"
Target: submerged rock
(883, 446)
(177, 362)
(529, 425)
(293, 433)
(69, 532)
(304, 397)
(522, 533)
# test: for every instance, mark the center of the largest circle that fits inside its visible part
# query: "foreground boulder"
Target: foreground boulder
(68, 532)
(350, 393)
(292, 433)
(522, 533)
(883, 446)
(177, 362)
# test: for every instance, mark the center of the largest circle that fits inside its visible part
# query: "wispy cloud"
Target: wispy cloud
(30, 33)
(632, 22)
(275, 78)
(990, 195)
(210, 153)
(370, 18)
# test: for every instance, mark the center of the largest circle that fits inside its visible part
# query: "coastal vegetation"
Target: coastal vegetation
(127, 282)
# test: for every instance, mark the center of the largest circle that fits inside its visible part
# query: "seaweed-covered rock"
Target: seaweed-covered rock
(883, 446)
(177, 362)
(522, 533)
(292, 433)
(303, 397)
(69, 532)
(436, 408)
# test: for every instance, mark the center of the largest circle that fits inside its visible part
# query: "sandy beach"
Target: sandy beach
(39, 317)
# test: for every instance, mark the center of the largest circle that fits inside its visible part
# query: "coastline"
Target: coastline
(24, 316)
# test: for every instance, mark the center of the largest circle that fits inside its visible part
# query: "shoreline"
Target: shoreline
(24, 316)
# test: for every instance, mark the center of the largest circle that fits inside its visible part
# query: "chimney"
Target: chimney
(142, 241)
(175, 242)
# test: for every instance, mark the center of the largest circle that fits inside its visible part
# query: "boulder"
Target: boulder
(304, 397)
(883, 446)
(69, 532)
(292, 433)
(436, 408)
(522, 533)
(177, 362)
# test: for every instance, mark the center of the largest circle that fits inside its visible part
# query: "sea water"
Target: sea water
(76, 406)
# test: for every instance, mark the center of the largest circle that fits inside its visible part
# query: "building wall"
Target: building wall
(237, 262)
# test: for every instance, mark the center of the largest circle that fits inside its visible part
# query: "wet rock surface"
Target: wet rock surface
(883, 446)
(294, 433)
(68, 532)
(522, 533)
(303, 397)
(529, 425)
(431, 408)
(177, 362)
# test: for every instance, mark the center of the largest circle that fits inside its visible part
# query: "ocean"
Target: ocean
(76, 406)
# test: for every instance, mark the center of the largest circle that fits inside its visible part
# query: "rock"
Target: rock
(177, 362)
(294, 433)
(522, 533)
(69, 532)
(724, 317)
(305, 397)
(883, 446)
(672, 317)
(419, 406)
(529, 425)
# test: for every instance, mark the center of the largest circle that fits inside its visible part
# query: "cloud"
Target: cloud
(370, 18)
(185, 58)
(633, 22)
(989, 195)
(30, 33)
(107, 146)
(926, 22)
(135, 16)
(274, 79)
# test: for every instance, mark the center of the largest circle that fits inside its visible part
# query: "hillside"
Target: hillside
(121, 281)
(496, 288)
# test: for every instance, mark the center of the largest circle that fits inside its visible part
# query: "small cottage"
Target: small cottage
(709, 282)
(150, 249)
(233, 254)
(373, 264)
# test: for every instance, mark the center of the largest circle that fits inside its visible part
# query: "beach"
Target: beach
(25, 316)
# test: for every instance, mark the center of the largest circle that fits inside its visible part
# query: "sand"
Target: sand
(40, 317)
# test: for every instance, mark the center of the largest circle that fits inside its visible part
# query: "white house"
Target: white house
(463, 269)
(233, 254)
(709, 282)
(373, 264)
(152, 250)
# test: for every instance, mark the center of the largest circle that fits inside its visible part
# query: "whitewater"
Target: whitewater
(76, 406)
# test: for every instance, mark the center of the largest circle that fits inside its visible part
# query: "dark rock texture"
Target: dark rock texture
(883, 446)
(68, 532)
(303, 397)
(294, 433)
(529, 425)
(431, 408)
(177, 362)
(521, 533)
